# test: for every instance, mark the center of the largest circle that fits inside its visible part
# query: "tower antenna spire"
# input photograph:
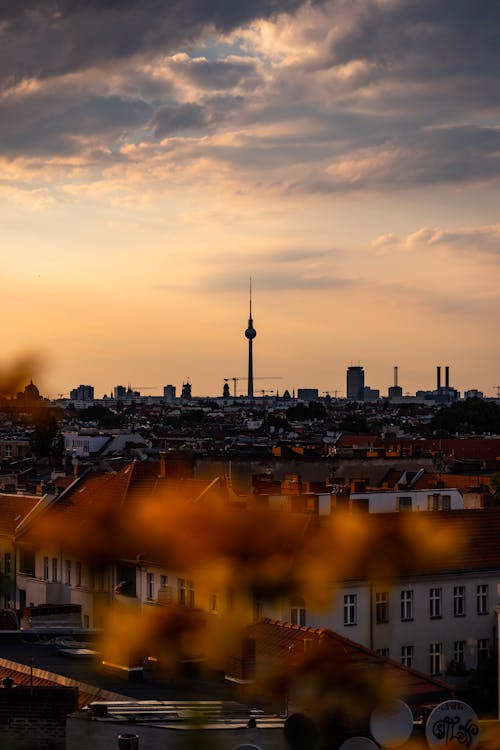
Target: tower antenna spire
(250, 334)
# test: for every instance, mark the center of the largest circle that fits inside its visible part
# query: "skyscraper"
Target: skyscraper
(355, 383)
(250, 333)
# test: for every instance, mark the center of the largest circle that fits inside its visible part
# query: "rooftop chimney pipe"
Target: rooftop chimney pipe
(438, 370)
(395, 377)
(447, 376)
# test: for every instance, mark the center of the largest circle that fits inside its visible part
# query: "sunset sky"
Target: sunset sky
(155, 154)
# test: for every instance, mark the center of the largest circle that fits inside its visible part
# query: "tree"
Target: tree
(474, 415)
(46, 439)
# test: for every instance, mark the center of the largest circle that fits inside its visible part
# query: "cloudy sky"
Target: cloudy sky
(155, 154)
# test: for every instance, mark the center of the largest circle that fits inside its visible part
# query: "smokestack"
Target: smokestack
(395, 377)
(438, 370)
(447, 376)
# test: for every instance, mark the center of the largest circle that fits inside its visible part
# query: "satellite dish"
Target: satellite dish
(359, 743)
(452, 724)
(391, 725)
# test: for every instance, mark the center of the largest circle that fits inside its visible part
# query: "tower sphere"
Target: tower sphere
(250, 333)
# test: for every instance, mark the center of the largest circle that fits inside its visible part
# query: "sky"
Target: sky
(156, 154)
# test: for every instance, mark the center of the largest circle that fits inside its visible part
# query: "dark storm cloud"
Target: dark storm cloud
(52, 37)
(176, 117)
(47, 124)
(429, 37)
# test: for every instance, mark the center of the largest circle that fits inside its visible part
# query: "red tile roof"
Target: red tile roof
(282, 648)
(13, 508)
(28, 676)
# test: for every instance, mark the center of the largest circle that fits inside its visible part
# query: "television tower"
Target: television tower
(250, 333)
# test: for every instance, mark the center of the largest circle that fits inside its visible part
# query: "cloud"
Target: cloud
(43, 39)
(289, 97)
(467, 241)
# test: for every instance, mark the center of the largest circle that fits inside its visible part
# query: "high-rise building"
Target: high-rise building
(355, 383)
(250, 333)
(82, 393)
(169, 392)
(119, 391)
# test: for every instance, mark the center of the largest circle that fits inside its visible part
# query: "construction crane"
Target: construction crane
(242, 377)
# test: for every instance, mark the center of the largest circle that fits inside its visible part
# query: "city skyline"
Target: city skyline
(343, 155)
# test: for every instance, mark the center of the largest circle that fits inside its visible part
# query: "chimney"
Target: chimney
(395, 377)
(447, 376)
(163, 464)
(438, 370)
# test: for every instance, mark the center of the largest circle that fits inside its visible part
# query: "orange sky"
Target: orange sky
(351, 170)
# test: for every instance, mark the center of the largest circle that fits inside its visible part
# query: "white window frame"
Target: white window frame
(67, 572)
(350, 609)
(435, 603)
(46, 568)
(482, 650)
(459, 601)
(407, 656)
(459, 652)
(150, 586)
(406, 605)
(298, 611)
(55, 569)
(482, 593)
(381, 607)
(435, 658)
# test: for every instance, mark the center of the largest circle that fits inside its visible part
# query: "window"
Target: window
(438, 502)
(434, 603)
(382, 607)
(404, 503)
(150, 586)
(213, 603)
(407, 605)
(190, 593)
(257, 609)
(459, 652)
(45, 568)
(67, 570)
(382, 652)
(54, 568)
(436, 656)
(163, 582)
(297, 611)
(27, 562)
(185, 592)
(407, 656)
(482, 599)
(350, 606)
(458, 601)
(181, 590)
(78, 574)
(482, 651)
(7, 563)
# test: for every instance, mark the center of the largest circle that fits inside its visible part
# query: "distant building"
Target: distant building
(307, 394)
(370, 394)
(355, 383)
(82, 393)
(225, 391)
(186, 391)
(169, 392)
(119, 391)
(473, 393)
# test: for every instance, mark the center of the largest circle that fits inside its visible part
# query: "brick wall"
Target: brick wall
(35, 718)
